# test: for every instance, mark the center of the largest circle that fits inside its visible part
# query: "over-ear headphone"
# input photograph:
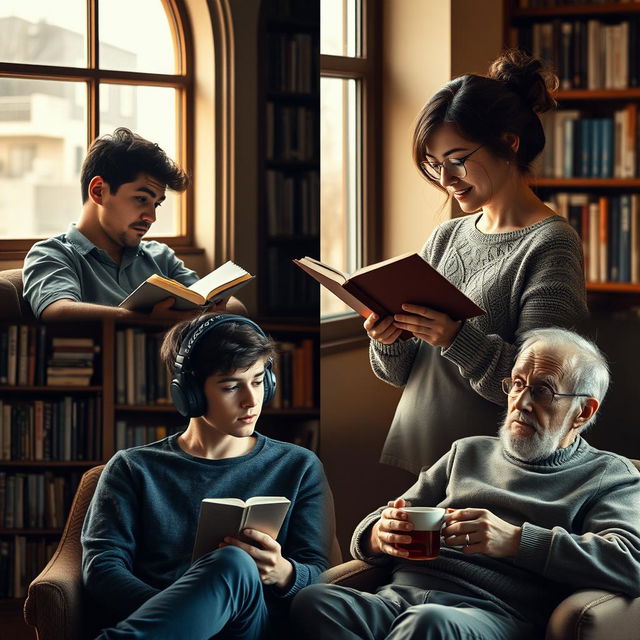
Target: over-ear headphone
(187, 392)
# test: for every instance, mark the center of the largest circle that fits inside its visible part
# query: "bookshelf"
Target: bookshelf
(42, 459)
(289, 156)
(590, 169)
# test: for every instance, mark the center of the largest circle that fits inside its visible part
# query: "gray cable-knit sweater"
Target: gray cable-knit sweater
(580, 515)
(523, 279)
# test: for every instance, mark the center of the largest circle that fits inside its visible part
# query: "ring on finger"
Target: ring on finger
(467, 541)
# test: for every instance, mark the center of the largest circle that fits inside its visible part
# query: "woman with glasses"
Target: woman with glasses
(475, 140)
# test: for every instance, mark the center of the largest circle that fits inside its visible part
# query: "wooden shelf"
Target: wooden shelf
(31, 532)
(48, 389)
(598, 94)
(50, 463)
(580, 10)
(151, 408)
(587, 183)
(614, 287)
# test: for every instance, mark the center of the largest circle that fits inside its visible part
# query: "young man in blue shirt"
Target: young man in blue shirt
(86, 272)
(140, 527)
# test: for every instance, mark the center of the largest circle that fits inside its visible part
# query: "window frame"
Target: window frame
(341, 332)
(182, 81)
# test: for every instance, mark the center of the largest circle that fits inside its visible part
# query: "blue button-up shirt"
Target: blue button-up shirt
(71, 267)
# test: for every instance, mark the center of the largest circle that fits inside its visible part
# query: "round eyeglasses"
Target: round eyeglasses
(541, 393)
(455, 167)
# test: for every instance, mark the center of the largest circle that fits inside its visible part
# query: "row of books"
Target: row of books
(28, 357)
(291, 133)
(289, 290)
(63, 429)
(134, 435)
(141, 378)
(610, 230)
(293, 203)
(21, 560)
(584, 147)
(587, 54)
(295, 375)
(291, 59)
(36, 500)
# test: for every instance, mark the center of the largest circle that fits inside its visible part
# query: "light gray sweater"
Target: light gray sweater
(523, 279)
(580, 515)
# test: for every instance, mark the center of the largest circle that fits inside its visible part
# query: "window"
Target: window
(349, 99)
(72, 70)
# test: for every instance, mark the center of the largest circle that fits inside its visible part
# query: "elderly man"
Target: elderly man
(532, 516)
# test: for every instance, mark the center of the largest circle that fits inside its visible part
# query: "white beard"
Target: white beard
(537, 446)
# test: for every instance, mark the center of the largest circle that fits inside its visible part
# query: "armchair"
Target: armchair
(56, 604)
(13, 307)
(589, 614)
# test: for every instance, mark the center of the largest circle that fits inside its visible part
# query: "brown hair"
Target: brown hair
(483, 108)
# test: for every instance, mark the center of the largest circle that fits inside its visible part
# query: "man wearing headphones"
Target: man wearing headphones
(140, 527)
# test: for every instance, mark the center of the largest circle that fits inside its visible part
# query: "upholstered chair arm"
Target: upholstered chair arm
(358, 575)
(595, 615)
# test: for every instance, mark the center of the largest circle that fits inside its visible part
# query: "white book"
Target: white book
(594, 230)
(220, 283)
(222, 517)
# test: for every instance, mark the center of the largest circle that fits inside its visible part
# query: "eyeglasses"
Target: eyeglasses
(455, 167)
(541, 394)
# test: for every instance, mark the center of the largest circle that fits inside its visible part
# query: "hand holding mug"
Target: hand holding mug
(480, 531)
(392, 528)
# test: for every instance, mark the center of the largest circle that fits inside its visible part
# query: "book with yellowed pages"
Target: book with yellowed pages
(220, 283)
(222, 517)
(385, 286)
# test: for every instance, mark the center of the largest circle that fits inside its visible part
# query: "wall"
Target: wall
(425, 43)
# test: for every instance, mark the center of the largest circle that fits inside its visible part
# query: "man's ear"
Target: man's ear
(513, 140)
(588, 410)
(96, 189)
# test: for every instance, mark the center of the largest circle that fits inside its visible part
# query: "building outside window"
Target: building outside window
(73, 70)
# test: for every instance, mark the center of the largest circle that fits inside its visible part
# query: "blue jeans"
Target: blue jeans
(221, 592)
(399, 612)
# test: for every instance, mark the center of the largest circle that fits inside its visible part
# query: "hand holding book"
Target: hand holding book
(383, 288)
(212, 288)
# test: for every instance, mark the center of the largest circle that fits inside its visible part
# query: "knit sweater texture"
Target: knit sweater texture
(523, 279)
(580, 515)
(140, 528)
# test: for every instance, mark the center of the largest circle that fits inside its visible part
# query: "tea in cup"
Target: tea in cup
(425, 535)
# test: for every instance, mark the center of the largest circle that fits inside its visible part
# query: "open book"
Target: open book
(384, 287)
(221, 517)
(220, 283)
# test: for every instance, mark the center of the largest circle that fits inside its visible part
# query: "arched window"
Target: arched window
(72, 70)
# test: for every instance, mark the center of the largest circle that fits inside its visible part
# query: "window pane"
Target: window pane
(43, 135)
(43, 32)
(340, 27)
(340, 182)
(135, 36)
(150, 112)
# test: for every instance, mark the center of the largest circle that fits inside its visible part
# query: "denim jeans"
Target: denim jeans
(399, 612)
(220, 594)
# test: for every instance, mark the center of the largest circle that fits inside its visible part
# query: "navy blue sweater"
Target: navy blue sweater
(140, 527)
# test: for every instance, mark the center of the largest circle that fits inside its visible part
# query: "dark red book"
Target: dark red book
(385, 286)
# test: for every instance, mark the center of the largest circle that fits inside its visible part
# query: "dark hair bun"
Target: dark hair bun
(526, 76)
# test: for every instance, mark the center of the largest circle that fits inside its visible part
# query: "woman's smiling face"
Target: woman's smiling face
(485, 175)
